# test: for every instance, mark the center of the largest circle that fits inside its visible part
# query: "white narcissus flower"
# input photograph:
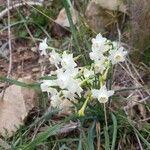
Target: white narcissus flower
(56, 101)
(67, 61)
(72, 72)
(65, 80)
(54, 58)
(66, 105)
(99, 65)
(100, 43)
(102, 94)
(115, 45)
(88, 73)
(43, 46)
(52, 91)
(68, 95)
(47, 84)
(117, 56)
(95, 55)
(74, 86)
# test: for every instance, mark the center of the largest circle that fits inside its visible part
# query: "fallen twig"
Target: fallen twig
(4, 12)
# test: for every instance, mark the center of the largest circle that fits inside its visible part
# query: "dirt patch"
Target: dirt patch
(24, 61)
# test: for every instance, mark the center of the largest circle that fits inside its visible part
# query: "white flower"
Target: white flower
(54, 58)
(98, 41)
(52, 91)
(67, 61)
(63, 104)
(43, 46)
(102, 94)
(56, 101)
(66, 81)
(68, 95)
(63, 79)
(100, 44)
(66, 105)
(46, 86)
(115, 45)
(99, 65)
(72, 72)
(88, 73)
(74, 87)
(117, 55)
(95, 55)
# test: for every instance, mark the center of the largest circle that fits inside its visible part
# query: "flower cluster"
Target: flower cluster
(66, 85)
(71, 82)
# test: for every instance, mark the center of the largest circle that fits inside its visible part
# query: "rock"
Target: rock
(116, 5)
(59, 28)
(97, 17)
(14, 107)
(62, 18)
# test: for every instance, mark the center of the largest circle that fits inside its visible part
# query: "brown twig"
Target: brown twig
(9, 42)
(5, 11)
(10, 48)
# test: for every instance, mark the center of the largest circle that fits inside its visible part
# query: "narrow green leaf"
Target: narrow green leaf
(80, 142)
(107, 142)
(48, 78)
(138, 133)
(42, 137)
(114, 131)
(72, 27)
(91, 137)
(35, 86)
(46, 134)
(142, 138)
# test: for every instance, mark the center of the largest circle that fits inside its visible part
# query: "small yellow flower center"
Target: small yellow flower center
(118, 57)
(103, 99)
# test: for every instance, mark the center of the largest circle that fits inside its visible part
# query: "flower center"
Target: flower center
(103, 99)
(118, 57)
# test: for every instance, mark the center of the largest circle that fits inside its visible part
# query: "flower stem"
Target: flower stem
(101, 81)
(53, 48)
(105, 113)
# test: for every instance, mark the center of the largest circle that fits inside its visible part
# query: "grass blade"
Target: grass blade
(72, 27)
(114, 131)
(80, 142)
(46, 134)
(91, 137)
(142, 138)
(42, 137)
(107, 143)
(137, 132)
(35, 86)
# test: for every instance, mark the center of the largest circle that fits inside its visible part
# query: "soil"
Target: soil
(24, 60)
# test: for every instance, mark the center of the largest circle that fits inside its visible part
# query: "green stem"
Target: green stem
(105, 113)
(52, 48)
(101, 81)
(72, 26)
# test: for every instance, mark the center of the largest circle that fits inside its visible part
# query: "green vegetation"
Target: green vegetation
(42, 130)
